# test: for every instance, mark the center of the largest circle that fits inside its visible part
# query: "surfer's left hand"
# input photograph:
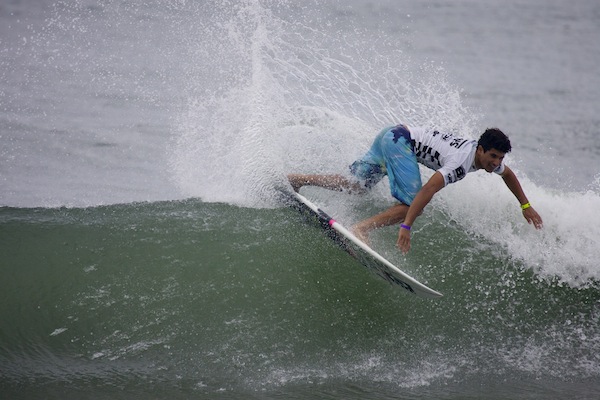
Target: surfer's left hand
(533, 218)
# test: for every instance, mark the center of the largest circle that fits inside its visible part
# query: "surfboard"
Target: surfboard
(360, 251)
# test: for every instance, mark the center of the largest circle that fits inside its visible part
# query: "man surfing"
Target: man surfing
(397, 151)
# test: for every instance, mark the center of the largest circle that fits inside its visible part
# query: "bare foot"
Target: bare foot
(295, 181)
(361, 234)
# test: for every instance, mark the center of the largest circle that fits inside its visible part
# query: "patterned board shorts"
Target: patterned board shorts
(391, 154)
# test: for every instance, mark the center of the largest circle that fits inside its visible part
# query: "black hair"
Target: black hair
(494, 138)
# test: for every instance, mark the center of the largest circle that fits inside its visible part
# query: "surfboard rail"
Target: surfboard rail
(363, 253)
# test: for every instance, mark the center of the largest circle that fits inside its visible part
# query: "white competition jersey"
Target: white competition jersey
(452, 156)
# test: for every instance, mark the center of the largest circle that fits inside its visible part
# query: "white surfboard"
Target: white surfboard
(363, 253)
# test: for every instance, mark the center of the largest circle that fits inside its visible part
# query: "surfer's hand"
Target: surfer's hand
(403, 240)
(533, 217)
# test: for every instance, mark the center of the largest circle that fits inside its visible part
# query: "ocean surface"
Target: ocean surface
(146, 253)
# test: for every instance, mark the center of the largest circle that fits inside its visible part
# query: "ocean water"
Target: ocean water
(145, 252)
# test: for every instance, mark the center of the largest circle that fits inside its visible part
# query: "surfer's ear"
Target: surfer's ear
(480, 149)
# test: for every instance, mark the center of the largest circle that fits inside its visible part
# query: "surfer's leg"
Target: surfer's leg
(332, 182)
(367, 171)
(391, 216)
(401, 164)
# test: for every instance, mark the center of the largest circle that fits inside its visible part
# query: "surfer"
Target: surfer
(397, 151)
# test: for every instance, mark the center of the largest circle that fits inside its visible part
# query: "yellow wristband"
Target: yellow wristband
(525, 206)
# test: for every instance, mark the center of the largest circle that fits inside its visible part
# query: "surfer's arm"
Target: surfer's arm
(513, 184)
(423, 197)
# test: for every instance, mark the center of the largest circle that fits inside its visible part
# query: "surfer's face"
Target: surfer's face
(488, 160)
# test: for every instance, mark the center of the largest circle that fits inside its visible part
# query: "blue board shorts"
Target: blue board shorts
(391, 154)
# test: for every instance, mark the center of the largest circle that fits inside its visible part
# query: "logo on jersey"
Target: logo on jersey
(456, 175)
(455, 142)
(427, 154)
